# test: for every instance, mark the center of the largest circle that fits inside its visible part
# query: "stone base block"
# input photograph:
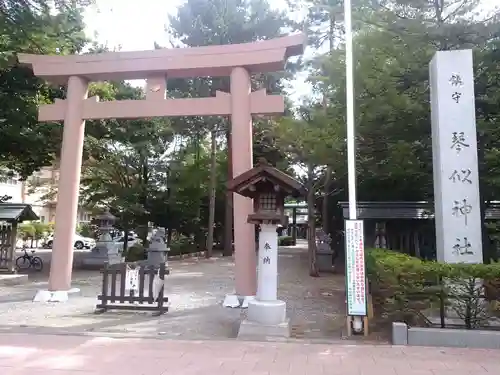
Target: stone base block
(246, 300)
(324, 261)
(256, 331)
(267, 312)
(399, 333)
(13, 279)
(231, 300)
(444, 337)
(93, 262)
(54, 296)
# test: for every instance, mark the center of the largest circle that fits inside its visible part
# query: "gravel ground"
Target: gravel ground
(195, 289)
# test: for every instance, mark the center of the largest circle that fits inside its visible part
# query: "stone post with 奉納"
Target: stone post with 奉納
(268, 187)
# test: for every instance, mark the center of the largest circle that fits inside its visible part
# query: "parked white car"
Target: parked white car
(80, 242)
(131, 241)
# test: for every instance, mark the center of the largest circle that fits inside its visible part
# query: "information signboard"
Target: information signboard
(355, 268)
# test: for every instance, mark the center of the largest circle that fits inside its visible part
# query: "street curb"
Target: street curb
(198, 254)
(163, 337)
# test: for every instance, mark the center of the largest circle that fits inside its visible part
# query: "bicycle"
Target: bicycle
(26, 261)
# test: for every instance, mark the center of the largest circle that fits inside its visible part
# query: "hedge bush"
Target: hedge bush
(181, 246)
(405, 288)
(286, 241)
(135, 253)
(181, 249)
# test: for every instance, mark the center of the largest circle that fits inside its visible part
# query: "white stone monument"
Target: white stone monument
(455, 162)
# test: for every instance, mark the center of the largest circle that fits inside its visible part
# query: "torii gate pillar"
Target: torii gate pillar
(67, 194)
(242, 159)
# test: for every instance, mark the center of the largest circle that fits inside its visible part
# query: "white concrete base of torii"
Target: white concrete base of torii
(54, 296)
(266, 315)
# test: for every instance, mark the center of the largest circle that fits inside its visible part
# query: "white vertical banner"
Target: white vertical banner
(355, 268)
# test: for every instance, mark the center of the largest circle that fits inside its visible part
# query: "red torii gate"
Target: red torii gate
(237, 61)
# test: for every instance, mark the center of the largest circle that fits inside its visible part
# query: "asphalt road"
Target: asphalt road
(46, 255)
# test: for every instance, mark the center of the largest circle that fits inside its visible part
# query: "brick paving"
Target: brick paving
(22, 354)
(66, 339)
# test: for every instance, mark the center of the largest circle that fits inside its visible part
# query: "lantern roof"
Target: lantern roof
(106, 215)
(246, 183)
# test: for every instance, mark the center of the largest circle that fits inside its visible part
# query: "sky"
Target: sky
(111, 23)
(116, 25)
(138, 24)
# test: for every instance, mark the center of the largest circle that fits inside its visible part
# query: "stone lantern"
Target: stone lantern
(268, 187)
(105, 222)
(157, 251)
(105, 250)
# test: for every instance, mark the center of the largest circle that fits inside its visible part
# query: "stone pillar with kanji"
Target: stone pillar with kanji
(268, 187)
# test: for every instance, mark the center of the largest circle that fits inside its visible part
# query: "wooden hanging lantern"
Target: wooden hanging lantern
(268, 187)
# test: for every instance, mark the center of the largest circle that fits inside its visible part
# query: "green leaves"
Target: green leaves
(28, 26)
(393, 46)
(215, 22)
(409, 288)
(124, 166)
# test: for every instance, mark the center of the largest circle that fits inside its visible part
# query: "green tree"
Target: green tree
(220, 22)
(32, 26)
(124, 167)
(312, 141)
(324, 27)
(394, 150)
(40, 230)
(26, 231)
(87, 230)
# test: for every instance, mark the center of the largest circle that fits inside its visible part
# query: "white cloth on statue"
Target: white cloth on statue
(158, 283)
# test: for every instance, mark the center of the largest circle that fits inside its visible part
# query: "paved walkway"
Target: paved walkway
(70, 355)
(195, 289)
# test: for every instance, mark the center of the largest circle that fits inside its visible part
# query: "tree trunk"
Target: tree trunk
(213, 184)
(328, 174)
(169, 235)
(326, 191)
(311, 238)
(228, 220)
(199, 240)
(125, 238)
(144, 201)
(169, 221)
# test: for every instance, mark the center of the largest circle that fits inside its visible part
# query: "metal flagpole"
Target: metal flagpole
(356, 308)
(351, 139)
